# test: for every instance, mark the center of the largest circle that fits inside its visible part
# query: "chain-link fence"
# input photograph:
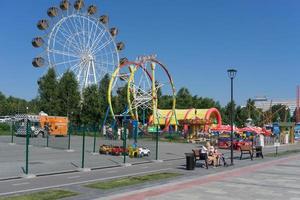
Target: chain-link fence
(36, 150)
(31, 148)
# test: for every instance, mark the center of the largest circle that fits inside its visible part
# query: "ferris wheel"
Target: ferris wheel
(76, 39)
(145, 80)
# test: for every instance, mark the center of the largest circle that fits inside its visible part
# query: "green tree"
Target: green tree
(280, 112)
(165, 102)
(33, 106)
(91, 106)
(69, 96)
(120, 100)
(103, 88)
(241, 117)
(184, 99)
(16, 105)
(226, 113)
(204, 102)
(3, 104)
(48, 93)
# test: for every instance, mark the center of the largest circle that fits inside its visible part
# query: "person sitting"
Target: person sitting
(216, 155)
(220, 157)
(211, 158)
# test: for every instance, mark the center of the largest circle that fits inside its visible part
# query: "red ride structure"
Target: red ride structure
(298, 105)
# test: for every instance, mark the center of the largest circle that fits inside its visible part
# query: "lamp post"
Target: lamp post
(231, 75)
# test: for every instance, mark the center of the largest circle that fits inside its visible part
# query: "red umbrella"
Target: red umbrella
(224, 128)
(256, 130)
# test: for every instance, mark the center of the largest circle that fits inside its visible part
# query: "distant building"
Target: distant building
(264, 103)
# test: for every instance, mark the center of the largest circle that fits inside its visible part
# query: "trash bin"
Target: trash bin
(258, 150)
(190, 161)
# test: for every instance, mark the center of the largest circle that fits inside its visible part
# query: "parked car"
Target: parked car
(143, 152)
(118, 150)
(105, 149)
(133, 152)
(5, 119)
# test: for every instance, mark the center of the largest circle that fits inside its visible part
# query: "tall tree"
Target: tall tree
(103, 88)
(48, 93)
(3, 104)
(226, 113)
(69, 96)
(91, 106)
(184, 99)
(120, 100)
(280, 112)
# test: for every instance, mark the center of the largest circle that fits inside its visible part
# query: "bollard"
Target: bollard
(69, 137)
(83, 148)
(124, 140)
(12, 131)
(156, 156)
(27, 147)
(94, 149)
(47, 140)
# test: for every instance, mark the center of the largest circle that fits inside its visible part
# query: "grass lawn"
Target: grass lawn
(5, 132)
(44, 195)
(283, 153)
(127, 181)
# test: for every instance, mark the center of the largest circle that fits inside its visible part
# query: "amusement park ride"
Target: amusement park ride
(74, 38)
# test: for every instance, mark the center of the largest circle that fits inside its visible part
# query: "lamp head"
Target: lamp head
(231, 73)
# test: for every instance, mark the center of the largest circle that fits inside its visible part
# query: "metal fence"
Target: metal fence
(79, 149)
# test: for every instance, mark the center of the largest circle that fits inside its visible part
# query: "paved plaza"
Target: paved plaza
(56, 158)
(274, 179)
(268, 178)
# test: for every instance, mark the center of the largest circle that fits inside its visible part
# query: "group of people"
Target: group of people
(214, 157)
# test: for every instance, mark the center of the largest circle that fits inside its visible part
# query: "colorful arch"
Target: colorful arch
(213, 112)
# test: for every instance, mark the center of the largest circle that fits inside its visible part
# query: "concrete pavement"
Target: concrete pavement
(75, 180)
(273, 179)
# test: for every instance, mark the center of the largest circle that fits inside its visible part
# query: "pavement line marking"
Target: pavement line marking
(72, 177)
(17, 184)
(146, 167)
(82, 182)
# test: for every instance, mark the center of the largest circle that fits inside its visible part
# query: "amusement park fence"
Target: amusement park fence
(79, 149)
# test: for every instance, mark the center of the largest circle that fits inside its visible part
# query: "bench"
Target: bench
(246, 149)
(200, 156)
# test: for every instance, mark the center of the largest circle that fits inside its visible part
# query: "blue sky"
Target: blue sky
(198, 40)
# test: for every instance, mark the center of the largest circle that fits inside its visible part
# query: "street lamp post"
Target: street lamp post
(231, 75)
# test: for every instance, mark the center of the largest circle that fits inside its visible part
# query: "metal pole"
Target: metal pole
(47, 139)
(231, 124)
(144, 120)
(105, 118)
(94, 149)
(135, 130)
(83, 147)
(69, 137)
(12, 131)
(156, 156)
(27, 146)
(124, 139)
